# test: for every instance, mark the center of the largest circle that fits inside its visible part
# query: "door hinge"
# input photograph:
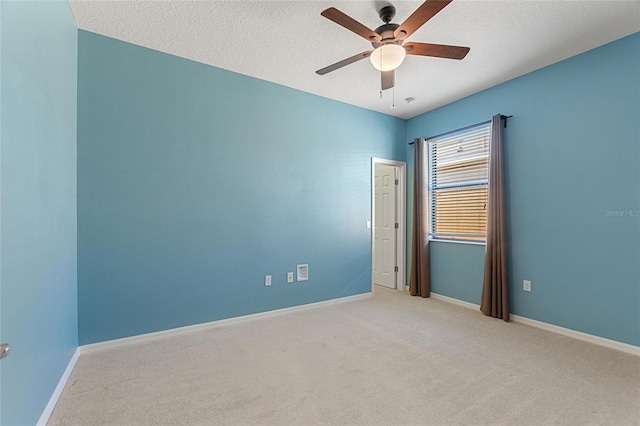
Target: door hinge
(396, 269)
(397, 226)
(397, 182)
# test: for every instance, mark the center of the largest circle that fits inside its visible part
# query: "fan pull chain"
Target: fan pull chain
(393, 101)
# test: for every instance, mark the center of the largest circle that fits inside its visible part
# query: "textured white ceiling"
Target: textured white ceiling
(287, 41)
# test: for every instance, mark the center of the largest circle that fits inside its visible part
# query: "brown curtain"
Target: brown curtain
(495, 287)
(420, 280)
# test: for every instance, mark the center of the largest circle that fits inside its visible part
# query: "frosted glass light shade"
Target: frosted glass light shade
(387, 57)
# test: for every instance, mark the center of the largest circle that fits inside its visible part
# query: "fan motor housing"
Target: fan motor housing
(386, 32)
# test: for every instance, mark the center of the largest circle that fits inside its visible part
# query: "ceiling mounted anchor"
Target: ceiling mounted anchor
(387, 13)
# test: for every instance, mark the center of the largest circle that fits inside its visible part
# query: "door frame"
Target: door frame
(401, 205)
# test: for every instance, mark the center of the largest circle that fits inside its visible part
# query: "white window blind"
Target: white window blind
(458, 184)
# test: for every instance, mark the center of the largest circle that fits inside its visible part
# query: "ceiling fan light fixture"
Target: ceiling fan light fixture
(387, 57)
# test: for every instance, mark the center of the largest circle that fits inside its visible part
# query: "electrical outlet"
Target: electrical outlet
(526, 285)
(267, 280)
(289, 277)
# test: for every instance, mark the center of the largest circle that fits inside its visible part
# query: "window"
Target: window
(458, 166)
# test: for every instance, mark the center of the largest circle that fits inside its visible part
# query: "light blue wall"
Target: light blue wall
(194, 183)
(38, 279)
(572, 154)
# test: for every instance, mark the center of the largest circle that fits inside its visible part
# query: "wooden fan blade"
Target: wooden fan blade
(351, 24)
(342, 63)
(417, 19)
(388, 79)
(437, 50)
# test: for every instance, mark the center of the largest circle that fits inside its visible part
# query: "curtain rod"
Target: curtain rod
(504, 117)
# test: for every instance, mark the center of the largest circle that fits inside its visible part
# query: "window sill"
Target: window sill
(472, 243)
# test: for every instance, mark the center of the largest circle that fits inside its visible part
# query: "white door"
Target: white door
(384, 244)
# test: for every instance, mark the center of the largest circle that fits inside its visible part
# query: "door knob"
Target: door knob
(4, 350)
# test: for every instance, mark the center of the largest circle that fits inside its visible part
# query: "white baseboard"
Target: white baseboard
(585, 337)
(611, 344)
(458, 302)
(44, 418)
(147, 337)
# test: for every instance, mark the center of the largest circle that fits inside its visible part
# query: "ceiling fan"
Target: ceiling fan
(388, 40)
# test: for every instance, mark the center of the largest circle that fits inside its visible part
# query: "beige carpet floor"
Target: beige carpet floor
(391, 359)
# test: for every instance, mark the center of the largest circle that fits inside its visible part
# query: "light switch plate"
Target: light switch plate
(289, 277)
(267, 280)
